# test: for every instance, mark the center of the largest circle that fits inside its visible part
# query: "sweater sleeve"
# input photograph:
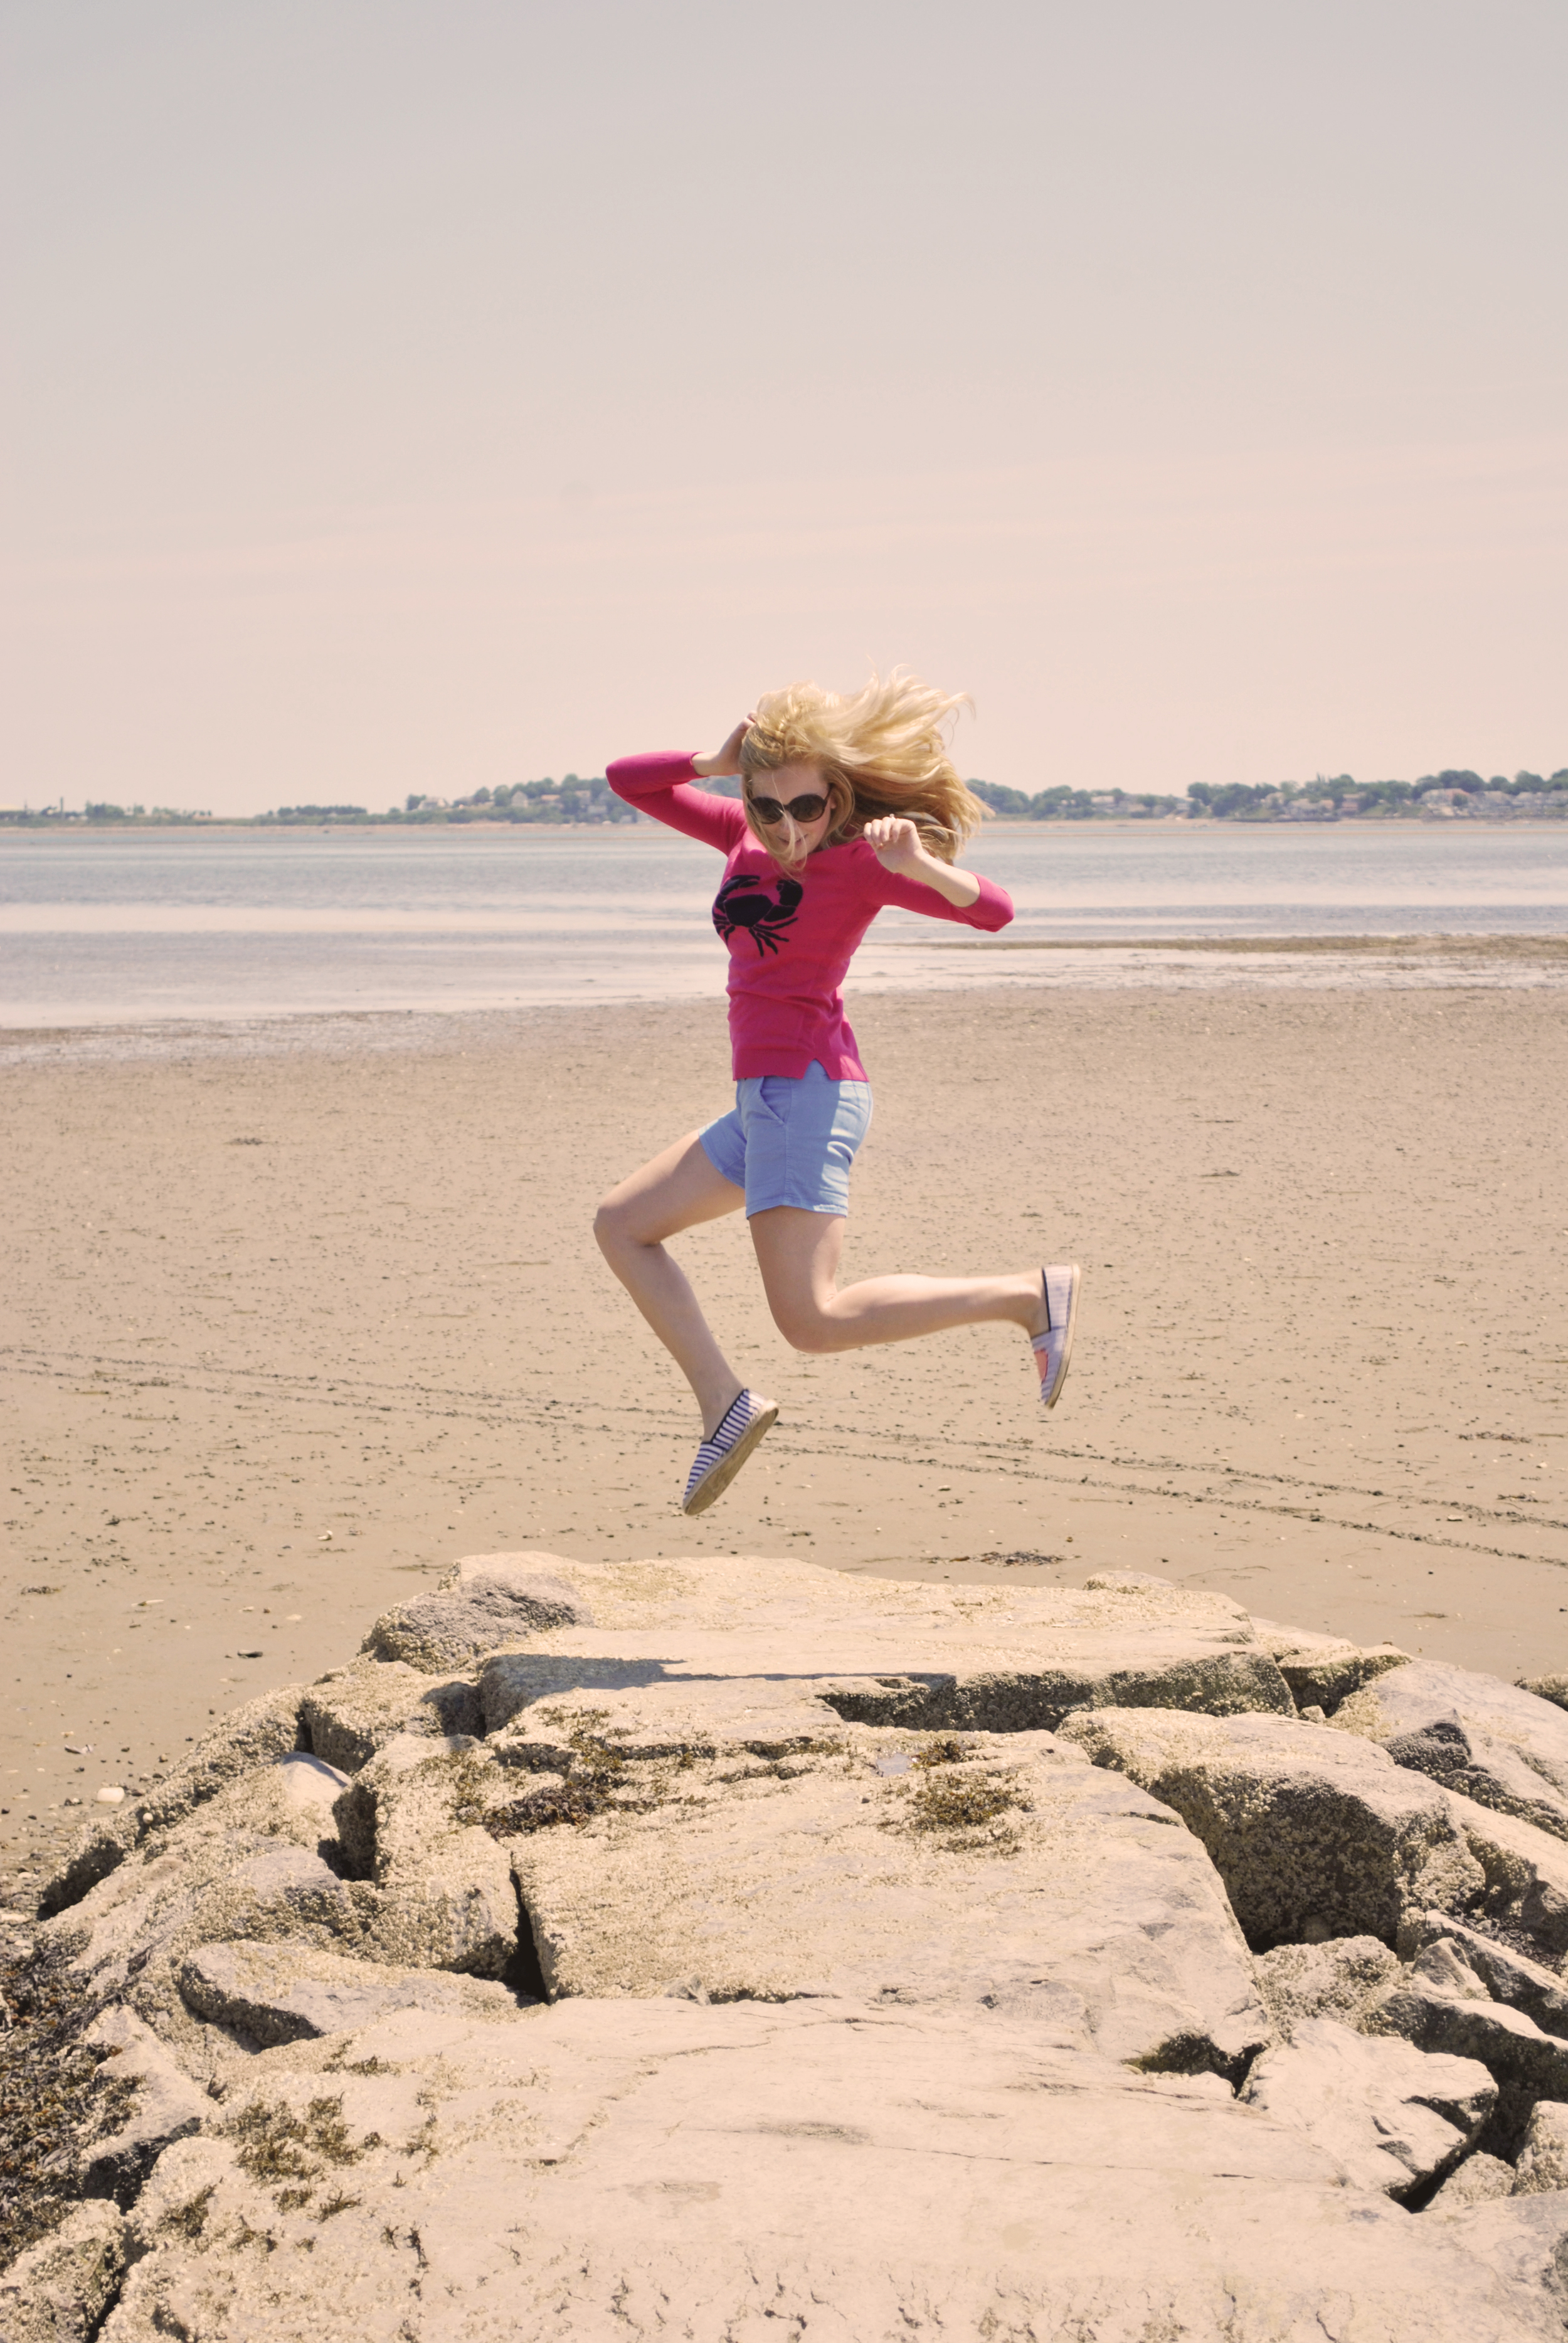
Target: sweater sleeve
(991, 908)
(661, 785)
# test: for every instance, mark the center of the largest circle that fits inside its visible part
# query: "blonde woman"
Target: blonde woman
(847, 804)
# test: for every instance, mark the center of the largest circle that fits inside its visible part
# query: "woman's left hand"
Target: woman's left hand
(896, 842)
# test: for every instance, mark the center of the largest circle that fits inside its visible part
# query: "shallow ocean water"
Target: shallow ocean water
(106, 930)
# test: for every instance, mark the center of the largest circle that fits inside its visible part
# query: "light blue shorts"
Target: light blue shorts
(791, 1140)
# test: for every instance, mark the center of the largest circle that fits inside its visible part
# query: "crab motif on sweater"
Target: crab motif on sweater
(761, 917)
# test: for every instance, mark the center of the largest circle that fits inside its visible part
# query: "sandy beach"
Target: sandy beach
(288, 1328)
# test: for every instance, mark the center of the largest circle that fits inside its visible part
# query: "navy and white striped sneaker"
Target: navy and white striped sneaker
(718, 1460)
(1054, 1349)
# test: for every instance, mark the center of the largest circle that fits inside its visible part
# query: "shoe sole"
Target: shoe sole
(715, 1484)
(1073, 1292)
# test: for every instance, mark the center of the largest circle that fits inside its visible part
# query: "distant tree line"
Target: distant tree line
(570, 800)
(1324, 798)
(103, 811)
(1062, 804)
(1342, 794)
(320, 813)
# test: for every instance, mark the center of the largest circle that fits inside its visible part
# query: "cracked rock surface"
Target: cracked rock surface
(995, 1868)
(701, 1948)
(1495, 1743)
(1311, 1831)
(1394, 2117)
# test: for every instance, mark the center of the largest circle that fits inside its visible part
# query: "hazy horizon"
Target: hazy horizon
(418, 399)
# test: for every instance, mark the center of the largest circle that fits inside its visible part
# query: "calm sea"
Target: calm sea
(105, 930)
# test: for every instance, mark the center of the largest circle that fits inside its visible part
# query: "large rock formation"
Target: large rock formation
(1496, 1743)
(714, 1948)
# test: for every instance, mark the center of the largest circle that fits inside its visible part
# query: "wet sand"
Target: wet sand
(288, 1329)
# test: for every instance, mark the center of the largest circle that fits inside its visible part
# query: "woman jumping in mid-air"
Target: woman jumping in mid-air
(847, 804)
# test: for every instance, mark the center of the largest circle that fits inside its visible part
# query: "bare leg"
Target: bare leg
(678, 1189)
(798, 1254)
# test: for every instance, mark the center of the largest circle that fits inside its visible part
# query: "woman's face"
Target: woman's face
(780, 806)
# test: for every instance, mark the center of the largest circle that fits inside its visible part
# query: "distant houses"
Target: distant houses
(569, 799)
(1447, 797)
(1453, 795)
(94, 813)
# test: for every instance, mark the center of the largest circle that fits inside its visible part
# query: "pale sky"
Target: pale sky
(417, 394)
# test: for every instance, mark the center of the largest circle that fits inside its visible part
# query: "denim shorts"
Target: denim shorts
(790, 1140)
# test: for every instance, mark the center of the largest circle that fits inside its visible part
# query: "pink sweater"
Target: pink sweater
(791, 939)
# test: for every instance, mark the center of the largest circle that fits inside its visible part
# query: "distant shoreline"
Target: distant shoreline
(76, 825)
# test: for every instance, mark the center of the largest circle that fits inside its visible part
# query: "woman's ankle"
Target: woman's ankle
(713, 1414)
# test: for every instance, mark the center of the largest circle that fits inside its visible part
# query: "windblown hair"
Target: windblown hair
(881, 751)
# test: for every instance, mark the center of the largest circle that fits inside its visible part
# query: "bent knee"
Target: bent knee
(808, 1329)
(610, 1226)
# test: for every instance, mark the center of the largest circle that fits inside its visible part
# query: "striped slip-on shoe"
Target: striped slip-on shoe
(1054, 1349)
(718, 1461)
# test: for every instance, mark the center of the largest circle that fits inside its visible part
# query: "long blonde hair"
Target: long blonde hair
(881, 751)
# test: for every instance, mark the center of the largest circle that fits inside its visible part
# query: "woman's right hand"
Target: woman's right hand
(724, 760)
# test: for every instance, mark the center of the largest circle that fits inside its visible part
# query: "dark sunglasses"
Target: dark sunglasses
(801, 809)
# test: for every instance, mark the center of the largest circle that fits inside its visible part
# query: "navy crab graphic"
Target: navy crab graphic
(759, 915)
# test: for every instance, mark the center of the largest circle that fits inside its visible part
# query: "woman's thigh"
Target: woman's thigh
(677, 1190)
(799, 1255)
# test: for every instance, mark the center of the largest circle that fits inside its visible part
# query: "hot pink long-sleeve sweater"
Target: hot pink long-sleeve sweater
(790, 939)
